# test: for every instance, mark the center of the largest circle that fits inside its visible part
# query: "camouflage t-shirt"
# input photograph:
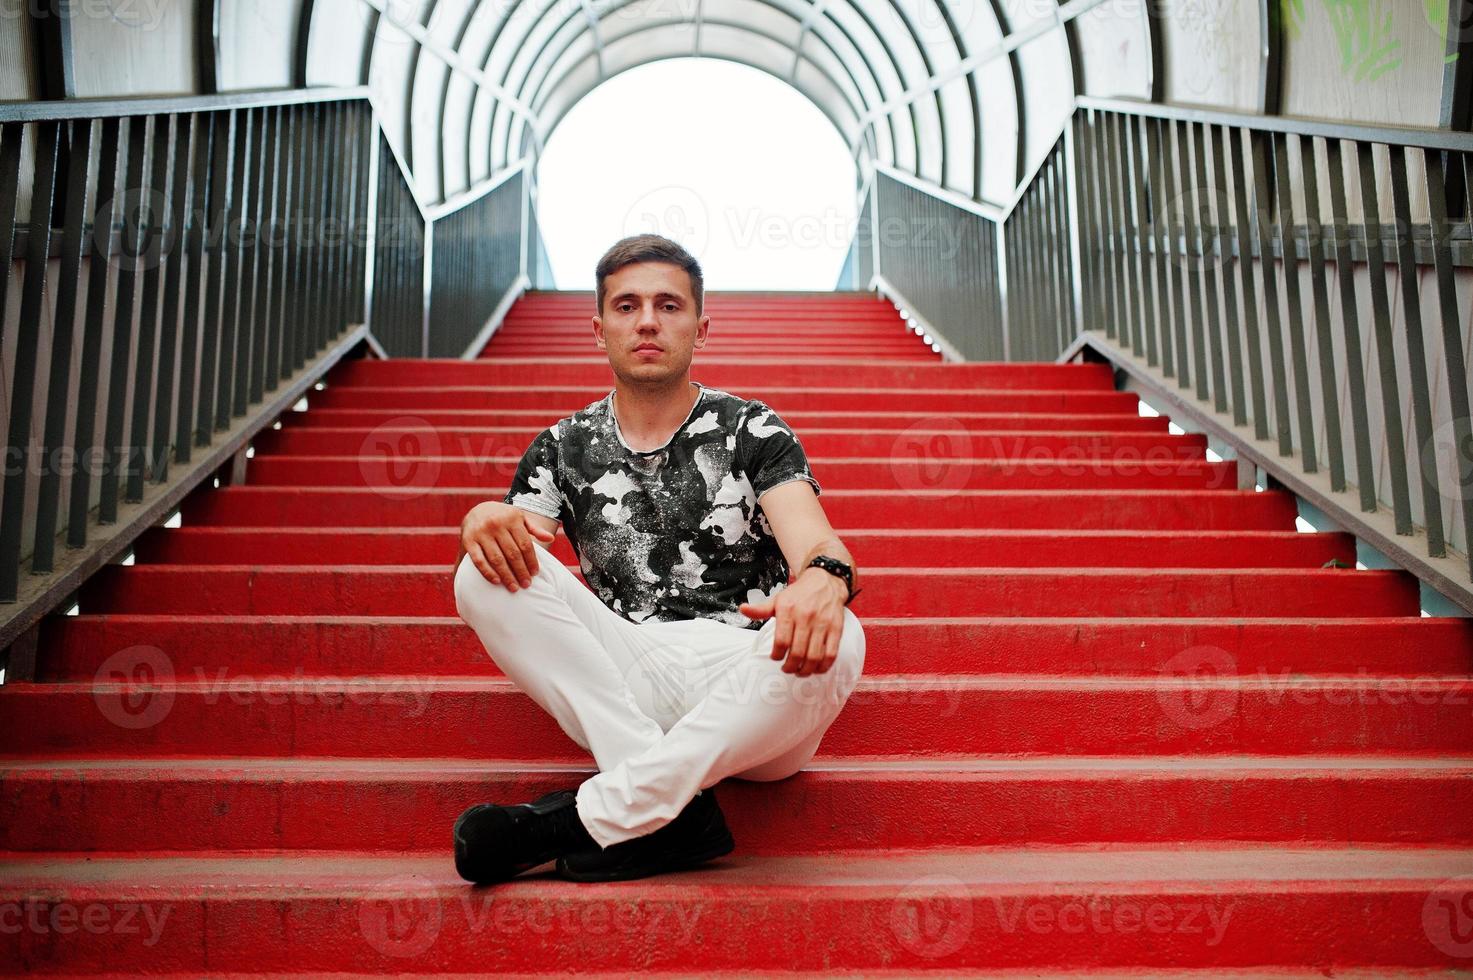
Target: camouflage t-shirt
(672, 533)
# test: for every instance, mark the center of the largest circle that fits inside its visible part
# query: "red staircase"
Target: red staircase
(1117, 714)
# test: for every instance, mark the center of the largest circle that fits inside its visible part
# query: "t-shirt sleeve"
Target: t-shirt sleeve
(771, 452)
(535, 485)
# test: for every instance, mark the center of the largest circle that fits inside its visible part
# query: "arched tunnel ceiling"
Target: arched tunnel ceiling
(963, 93)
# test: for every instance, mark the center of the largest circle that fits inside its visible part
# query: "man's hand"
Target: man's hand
(498, 539)
(810, 621)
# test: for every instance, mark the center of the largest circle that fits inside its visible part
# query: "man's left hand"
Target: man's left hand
(810, 621)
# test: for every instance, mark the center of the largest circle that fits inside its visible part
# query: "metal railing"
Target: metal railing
(446, 274)
(1222, 249)
(986, 282)
(1292, 282)
(184, 270)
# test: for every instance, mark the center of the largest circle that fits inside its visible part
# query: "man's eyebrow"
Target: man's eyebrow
(657, 296)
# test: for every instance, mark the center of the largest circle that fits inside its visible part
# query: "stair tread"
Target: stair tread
(1003, 870)
(432, 768)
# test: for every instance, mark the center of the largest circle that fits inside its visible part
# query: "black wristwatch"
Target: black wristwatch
(836, 567)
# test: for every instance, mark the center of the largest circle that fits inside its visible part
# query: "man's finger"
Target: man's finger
(781, 637)
(478, 558)
(512, 552)
(798, 656)
(500, 571)
(528, 546)
(831, 648)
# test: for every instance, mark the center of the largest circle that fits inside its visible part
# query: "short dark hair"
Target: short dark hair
(650, 248)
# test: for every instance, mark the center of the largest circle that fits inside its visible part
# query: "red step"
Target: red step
(737, 372)
(416, 590)
(412, 505)
(238, 712)
(374, 804)
(902, 473)
(917, 547)
(566, 399)
(81, 646)
(941, 908)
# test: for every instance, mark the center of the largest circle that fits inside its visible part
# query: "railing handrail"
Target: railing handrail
(1421, 137)
(112, 108)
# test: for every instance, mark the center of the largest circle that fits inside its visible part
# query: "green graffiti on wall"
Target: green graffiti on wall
(1368, 45)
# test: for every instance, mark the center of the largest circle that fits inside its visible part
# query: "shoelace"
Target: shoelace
(555, 829)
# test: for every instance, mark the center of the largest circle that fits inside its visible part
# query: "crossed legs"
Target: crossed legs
(666, 709)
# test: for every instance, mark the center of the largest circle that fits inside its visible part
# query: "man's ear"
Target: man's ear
(702, 330)
(598, 331)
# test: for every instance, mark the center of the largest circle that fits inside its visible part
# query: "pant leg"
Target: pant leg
(754, 720)
(604, 679)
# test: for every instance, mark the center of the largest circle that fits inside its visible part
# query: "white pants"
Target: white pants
(666, 709)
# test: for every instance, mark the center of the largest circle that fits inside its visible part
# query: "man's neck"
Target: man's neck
(648, 417)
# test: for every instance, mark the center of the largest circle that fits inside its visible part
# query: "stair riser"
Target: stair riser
(900, 474)
(565, 401)
(1093, 422)
(78, 646)
(423, 507)
(924, 924)
(977, 549)
(812, 812)
(420, 591)
(411, 718)
(942, 443)
(595, 370)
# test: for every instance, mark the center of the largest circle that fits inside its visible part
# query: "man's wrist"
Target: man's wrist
(841, 589)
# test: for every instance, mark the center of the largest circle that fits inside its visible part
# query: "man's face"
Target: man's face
(649, 325)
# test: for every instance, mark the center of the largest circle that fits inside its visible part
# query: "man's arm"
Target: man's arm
(810, 611)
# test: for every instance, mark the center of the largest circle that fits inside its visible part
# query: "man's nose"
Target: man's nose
(647, 316)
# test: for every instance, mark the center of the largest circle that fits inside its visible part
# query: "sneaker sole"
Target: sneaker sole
(725, 845)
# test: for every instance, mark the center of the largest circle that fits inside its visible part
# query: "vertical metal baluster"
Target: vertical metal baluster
(1411, 303)
(312, 242)
(211, 372)
(1163, 265)
(171, 285)
(235, 358)
(1251, 322)
(1133, 230)
(1298, 356)
(84, 435)
(115, 455)
(1170, 152)
(1355, 375)
(1206, 203)
(289, 321)
(1141, 177)
(161, 225)
(1385, 348)
(1334, 440)
(1262, 201)
(281, 254)
(1221, 168)
(1452, 340)
(1089, 260)
(1192, 258)
(253, 270)
(265, 237)
(1106, 261)
(1120, 308)
(63, 336)
(28, 341)
(11, 135)
(189, 190)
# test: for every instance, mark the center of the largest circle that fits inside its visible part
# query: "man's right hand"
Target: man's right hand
(498, 539)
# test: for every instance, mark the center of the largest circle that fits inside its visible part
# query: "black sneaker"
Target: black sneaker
(696, 835)
(494, 843)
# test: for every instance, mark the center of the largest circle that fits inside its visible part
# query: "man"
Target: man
(686, 506)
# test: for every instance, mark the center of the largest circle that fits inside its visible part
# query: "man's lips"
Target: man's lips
(647, 347)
